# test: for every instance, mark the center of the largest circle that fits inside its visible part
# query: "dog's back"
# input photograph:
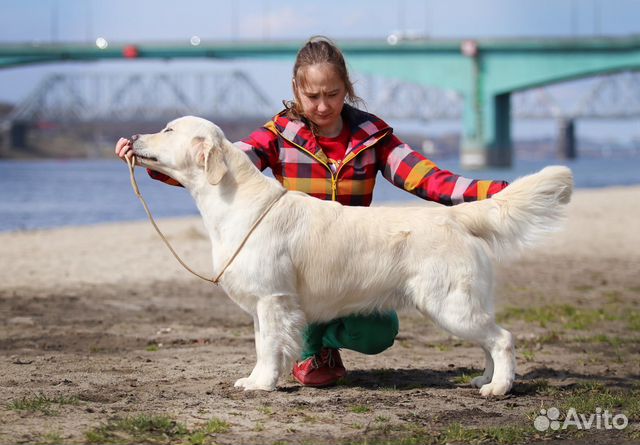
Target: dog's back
(365, 259)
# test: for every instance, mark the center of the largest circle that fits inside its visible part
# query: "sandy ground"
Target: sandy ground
(100, 324)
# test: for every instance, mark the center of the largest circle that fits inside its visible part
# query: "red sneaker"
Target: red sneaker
(322, 369)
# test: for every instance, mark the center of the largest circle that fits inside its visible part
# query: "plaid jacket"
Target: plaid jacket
(290, 149)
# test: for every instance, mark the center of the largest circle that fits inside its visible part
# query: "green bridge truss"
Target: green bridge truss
(485, 72)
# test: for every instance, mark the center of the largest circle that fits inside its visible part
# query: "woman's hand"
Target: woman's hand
(124, 149)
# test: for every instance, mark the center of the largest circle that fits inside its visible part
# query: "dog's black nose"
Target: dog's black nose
(135, 137)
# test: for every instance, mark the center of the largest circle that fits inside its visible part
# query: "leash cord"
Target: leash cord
(216, 280)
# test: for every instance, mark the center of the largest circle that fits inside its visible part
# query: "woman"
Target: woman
(321, 144)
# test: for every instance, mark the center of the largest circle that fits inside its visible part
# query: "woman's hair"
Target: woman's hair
(319, 49)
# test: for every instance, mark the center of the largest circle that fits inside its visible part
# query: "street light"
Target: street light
(101, 43)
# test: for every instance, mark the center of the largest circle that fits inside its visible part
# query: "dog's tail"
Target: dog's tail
(522, 213)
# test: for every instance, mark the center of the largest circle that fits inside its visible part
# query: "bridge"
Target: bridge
(134, 98)
(484, 72)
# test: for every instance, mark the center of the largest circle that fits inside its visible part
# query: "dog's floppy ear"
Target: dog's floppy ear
(210, 158)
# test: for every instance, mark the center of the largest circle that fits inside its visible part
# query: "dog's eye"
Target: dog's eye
(166, 130)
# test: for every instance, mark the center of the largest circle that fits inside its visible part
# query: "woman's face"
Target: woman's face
(321, 95)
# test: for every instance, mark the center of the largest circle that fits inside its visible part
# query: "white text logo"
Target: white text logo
(550, 419)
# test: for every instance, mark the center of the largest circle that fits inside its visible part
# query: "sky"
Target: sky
(147, 21)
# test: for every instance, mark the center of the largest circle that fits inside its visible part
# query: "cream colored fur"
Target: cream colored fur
(312, 260)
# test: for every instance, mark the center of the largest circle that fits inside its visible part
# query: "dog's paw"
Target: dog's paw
(240, 383)
(259, 387)
(480, 381)
(249, 384)
(495, 389)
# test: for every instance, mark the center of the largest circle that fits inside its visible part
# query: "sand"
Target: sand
(104, 317)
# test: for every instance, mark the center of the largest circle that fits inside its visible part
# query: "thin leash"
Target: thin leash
(216, 280)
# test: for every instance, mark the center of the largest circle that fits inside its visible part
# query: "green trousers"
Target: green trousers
(368, 334)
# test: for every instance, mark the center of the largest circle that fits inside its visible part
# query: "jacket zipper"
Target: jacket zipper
(334, 179)
(349, 158)
(352, 156)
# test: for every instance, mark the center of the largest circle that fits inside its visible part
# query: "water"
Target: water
(45, 194)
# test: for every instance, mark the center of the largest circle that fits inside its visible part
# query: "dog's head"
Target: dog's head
(185, 149)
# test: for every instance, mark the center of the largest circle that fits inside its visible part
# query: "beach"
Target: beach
(104, 324)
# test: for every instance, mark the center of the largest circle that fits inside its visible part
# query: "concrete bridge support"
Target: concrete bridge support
(487, 132)
(4, 142)
(566, 147)
(18, 135)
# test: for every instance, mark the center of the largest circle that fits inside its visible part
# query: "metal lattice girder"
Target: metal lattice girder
(395, 99)
(612, 96)
(93, 97)
(55, 96)
(537, 103)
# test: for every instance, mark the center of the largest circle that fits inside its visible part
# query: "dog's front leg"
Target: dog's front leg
(240, 383)
(278, 340)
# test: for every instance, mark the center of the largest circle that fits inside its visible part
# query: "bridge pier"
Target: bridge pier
(4, 141)
(486, 138)
(18, 135)
(566, 147)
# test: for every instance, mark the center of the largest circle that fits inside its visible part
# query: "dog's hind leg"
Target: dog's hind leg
(486, 377)
(500, 345)
(463, 316)
(280, 322)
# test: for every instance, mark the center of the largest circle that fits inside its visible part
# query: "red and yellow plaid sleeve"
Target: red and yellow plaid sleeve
(261, 146)
(409, 170)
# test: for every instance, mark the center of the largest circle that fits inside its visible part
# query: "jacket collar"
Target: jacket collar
(366, 129)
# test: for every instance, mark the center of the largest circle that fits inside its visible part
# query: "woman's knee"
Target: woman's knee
(371, 334)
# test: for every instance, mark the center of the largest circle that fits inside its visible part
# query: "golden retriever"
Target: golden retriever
(313, 261)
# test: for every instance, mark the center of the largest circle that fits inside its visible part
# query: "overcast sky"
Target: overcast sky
(145, 21)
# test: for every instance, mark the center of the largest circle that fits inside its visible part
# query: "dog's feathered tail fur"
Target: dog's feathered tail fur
(522, 213)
